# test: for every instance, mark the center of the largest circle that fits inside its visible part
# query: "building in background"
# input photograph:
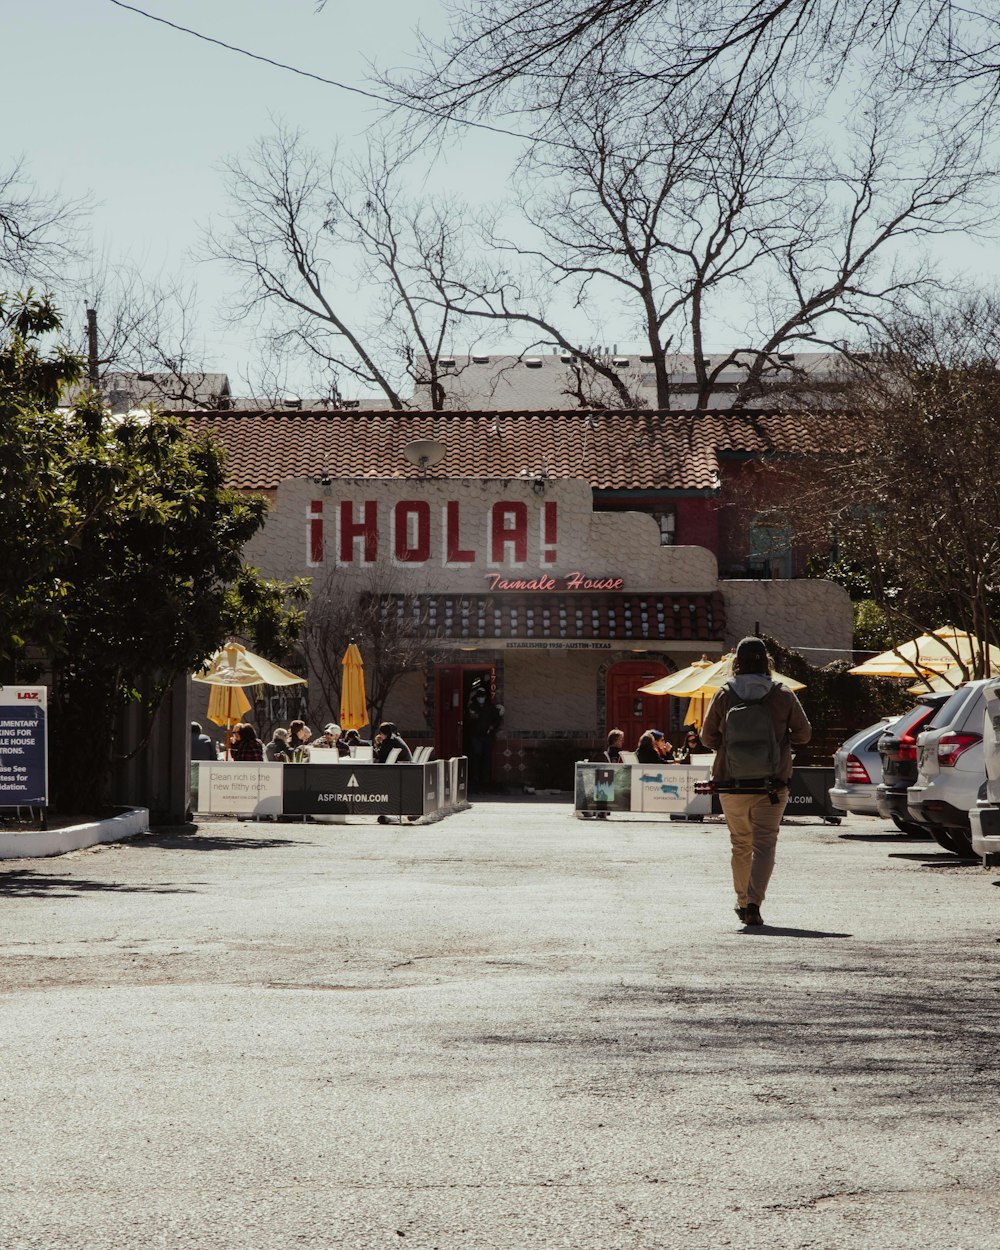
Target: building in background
(566, 558)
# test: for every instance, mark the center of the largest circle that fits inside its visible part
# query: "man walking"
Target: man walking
(752, 725)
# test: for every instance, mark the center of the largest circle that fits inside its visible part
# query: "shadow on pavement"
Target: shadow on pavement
(26, 883)
(902, 838)
(942, 859)
(773, 930)
(189, 839)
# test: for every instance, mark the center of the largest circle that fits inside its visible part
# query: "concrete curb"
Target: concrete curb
(38, 843)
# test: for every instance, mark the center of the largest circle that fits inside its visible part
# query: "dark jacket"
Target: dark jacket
(791, 725)
(648, 754)
(202, 747)
(388, 745)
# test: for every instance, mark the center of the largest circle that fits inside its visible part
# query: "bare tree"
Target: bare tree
(905, 494)
(39, 231)
(519, 57)
(339, 267)
(676, 219)
(146, 337)
(386, 620)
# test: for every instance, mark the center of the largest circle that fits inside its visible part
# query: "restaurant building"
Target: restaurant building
(534, 556)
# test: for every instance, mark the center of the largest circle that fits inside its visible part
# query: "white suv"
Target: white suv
(985, 816)
(950, 768)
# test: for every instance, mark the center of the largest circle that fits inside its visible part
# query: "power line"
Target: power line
(329, 82)
(453, 120)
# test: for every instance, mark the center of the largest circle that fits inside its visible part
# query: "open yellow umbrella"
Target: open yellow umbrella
(227, 672)
(353, 707)
(699, 684)
(943, 651)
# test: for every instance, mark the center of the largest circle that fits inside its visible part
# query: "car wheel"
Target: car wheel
(961, 843)
(946, 840)
(911, 827)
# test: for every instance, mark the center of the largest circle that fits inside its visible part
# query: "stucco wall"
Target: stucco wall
(802, 615)
(599, 545)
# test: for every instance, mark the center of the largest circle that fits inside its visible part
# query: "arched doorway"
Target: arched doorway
(626, 708)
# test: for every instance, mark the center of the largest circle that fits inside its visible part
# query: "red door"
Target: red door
(453, 684)
(626, 708)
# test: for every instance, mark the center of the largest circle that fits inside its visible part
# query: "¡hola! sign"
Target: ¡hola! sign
(411, 533)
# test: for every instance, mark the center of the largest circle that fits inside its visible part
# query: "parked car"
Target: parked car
(857, 770)
(985, 816)
(897, 749)
(951, 768)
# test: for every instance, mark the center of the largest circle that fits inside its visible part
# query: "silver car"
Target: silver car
(857, 770)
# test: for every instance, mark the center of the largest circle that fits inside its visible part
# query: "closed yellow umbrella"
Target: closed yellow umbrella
(353, 706)
(227, 705)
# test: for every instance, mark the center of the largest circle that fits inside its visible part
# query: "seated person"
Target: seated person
(330, 740)
(613, 751)
(353, 739)
(247, 747)
(388, 740)
(653, 748)
(276, 751)
(692, 745)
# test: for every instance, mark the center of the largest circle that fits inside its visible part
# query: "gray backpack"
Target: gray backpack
(752, 750)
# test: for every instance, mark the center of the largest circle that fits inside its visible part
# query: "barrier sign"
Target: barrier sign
(246, 789)
(666, 788)
(24, 778)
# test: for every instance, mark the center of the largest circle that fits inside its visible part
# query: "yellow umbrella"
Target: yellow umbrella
(690, 678)
(227, 704)
(699, 684)
(227, 672)
(353, 708)
(943, 650)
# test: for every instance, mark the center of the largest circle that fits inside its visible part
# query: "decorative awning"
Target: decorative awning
(550, 618)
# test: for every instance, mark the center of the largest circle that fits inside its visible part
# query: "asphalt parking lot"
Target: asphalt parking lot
(506, 1029)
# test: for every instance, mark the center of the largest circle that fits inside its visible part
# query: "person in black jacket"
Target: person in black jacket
(388, 740)
(482, 720)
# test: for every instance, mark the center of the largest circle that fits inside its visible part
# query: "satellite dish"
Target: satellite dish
(424, 452)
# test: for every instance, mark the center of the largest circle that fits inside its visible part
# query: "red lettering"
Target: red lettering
(315, 535)
(454, 554)
(549, 532)
(412, 524)
(351, 531)
(509, 530)
(27, 694)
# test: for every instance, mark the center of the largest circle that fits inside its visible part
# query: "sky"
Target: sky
(104, 100)
(143, 115)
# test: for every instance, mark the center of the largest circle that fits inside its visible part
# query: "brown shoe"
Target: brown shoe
(753, 915)
(741, 914)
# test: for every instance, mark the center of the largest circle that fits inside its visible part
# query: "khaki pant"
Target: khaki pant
(753, 822)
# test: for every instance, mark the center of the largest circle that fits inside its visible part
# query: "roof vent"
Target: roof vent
(621, 362)
(647, 360)
(533, 362)
(291, 401)
(351, 403)
(567, 358)
(446, 362)
(786, 358)
(480, 360)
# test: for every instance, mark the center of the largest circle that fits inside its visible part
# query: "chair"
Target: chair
(392, 756)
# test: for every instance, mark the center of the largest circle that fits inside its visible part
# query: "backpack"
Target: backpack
(752, 750)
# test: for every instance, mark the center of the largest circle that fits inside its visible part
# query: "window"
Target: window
(667, 521)
(770, 545)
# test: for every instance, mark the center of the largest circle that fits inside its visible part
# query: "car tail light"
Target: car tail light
(951, 745)
(857, 774)
(908, 740)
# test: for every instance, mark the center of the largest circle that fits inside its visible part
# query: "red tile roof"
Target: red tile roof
(573, 617)
(613, 450)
